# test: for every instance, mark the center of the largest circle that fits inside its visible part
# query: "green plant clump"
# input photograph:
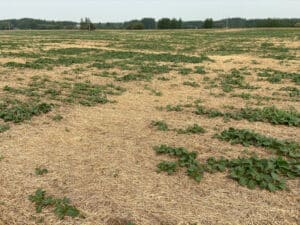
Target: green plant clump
(23, 111)
(266, 114)
(192, 84)
(40, 171)
(57, 117)
(4, 127)
(175, 108)
(186, 159)
(270, 174)
(275, 76)
(194, 129)
(62, 207)
(248, 137)
(161, 125)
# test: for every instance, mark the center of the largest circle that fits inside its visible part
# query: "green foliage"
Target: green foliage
(130, 223)
(185, 71)
(248, 137)
(91, 94)
(4, 127)
(175, 108)
(248, 96)
(71, 51)
(62, 207)
(194, 129)
(251, 172)
(102, 65)
(265, 173)
(163, 78)
(135, 25)
(266, 114)
(153, 69)
(169, 167)
(41, 200)
(161, 125)
(208, 23)
(234, 80)
(293, 91)
(185, 159)
(84, 93)
(200, 70)
(23, 111)
(270, 114)
(57, 117)
(275, 76)
(153, 91)
(149, 23)
(135, 77)
(192, 84)
(86, 24)
(211, 113)
(40, 171)
(29, 24)
(30, 65)
(166, 23)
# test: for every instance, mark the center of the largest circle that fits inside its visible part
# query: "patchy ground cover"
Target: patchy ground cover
(150, 127)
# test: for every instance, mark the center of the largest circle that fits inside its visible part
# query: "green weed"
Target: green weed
(153, 91)
(234, 80)
(134, 77)
(292, 91)
(185, 159)
(194, 129)
(175, 108)
(200, 70)
(192, 84)
(185, 71)
(62, 207)
(23, 111)
(248, 137)
(40, 171)
(161, 125)
(275, 76)
(270, 174)
(4, 127)
(57, 117)
(266, 114)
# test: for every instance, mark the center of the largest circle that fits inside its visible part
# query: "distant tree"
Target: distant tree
(173, 24)
(208, 23)
(27, 23)
(149, 23)
(179, 24)
(135, 25)
(166, 23)
(86, 24)
(297, 24)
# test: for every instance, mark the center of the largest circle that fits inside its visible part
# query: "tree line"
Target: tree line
(147, 23)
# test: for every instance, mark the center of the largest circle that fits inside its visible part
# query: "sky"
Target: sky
(124, 10)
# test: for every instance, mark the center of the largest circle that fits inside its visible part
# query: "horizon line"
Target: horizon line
(156, 19)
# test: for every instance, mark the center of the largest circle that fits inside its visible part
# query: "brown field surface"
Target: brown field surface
(104, 89)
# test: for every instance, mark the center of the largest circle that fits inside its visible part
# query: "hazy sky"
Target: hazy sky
(120, 10)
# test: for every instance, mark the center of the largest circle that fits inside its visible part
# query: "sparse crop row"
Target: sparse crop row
(270, 174)
(249, 137)
(271, 115)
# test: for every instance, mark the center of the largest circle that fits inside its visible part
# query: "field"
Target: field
(150, 127)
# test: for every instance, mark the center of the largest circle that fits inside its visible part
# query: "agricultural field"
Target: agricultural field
(150, 127)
